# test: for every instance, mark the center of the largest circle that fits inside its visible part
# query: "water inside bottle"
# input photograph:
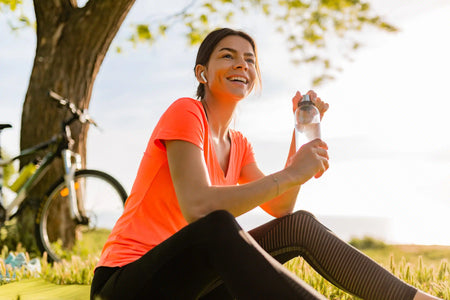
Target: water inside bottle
(306, 133)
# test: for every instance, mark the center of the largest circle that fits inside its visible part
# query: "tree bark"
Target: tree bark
(71, 44)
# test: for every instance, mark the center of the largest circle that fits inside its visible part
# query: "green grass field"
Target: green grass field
(426, 267)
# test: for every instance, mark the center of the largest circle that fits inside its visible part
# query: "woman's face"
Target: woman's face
(231, 70)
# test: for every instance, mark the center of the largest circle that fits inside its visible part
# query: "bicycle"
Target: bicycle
(79, 210)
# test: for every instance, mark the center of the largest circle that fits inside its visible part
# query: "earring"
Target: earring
(202, 75)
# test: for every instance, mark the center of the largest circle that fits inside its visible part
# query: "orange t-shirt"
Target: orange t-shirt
(152, 213)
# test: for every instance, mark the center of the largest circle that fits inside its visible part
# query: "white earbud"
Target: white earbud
(202, 75)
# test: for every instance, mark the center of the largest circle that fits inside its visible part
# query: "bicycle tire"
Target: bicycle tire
(59, 235)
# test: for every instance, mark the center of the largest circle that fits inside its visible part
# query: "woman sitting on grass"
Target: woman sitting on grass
(178, 237)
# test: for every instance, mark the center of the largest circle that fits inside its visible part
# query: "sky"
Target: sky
(387, 127)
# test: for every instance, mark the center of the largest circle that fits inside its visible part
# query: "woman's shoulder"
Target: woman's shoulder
(238, 137)
(185, 103)
(184, 112)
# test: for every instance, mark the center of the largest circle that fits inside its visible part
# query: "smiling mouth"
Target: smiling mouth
(238, 79)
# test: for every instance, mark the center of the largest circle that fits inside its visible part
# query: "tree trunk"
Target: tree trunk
(71, 45)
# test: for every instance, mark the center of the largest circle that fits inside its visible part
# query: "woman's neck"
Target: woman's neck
(219, 116)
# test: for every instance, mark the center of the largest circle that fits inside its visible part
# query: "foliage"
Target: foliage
(77, 270)
(311, 28)
(428, 278)
(8, 170)
(15, 15)
(73, 271)
(10, 4)
(9, 235)
(19, 274)
(432, 277)
(367, 243)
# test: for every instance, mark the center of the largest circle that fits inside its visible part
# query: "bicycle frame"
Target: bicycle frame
(71, 162)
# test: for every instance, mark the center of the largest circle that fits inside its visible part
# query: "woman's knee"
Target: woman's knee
(303, 214)
(303, 221)
(310, 220)
(220, 223)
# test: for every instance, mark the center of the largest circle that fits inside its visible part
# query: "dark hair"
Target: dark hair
(209, 44)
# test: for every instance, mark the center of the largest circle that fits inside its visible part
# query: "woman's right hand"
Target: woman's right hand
(310, 160)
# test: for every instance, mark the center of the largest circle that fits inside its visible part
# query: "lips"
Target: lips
(237, 78)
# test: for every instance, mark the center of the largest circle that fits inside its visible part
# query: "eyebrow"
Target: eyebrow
(235, 51)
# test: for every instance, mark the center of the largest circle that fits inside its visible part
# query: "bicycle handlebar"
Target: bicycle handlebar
(81, 115)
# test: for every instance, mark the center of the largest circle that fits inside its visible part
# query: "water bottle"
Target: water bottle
(307, 122)
(24, 174)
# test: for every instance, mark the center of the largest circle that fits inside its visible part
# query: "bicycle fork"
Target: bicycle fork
(72, 162)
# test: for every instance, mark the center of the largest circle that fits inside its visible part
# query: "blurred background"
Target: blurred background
(387, 127)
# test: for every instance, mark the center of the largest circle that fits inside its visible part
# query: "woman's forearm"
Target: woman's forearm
(198, 197)
(284, 203)
(243, 198)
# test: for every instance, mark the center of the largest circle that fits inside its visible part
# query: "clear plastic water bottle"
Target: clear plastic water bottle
(307, 122)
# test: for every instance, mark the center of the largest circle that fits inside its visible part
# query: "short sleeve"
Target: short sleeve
(244, 149)
(183, 120)
(249, 155)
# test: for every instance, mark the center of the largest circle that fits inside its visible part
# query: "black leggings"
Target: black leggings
(213, 258)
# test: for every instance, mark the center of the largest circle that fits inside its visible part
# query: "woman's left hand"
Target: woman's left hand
(321, 105)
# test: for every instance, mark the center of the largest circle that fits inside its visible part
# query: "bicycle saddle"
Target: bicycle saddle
(3, 126)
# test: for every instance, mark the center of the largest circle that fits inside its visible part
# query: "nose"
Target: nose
(241, 63)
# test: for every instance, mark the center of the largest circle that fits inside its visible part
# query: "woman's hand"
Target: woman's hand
(310, 160)
(321, 106)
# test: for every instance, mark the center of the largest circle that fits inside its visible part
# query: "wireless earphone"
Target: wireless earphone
(202, 75)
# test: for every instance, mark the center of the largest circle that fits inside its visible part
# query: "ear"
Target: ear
(200, 73)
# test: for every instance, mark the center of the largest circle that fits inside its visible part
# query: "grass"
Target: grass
(433, 278)
(40, 289)
(426, 267)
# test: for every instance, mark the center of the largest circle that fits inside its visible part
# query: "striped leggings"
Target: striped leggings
(213, 258)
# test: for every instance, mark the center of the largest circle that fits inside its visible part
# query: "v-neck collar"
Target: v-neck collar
(213, 149)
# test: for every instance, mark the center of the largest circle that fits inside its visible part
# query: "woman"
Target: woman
(178, 238)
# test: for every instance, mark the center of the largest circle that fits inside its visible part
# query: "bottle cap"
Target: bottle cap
(305, 100)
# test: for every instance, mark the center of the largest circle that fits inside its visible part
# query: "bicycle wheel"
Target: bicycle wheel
(100, 201)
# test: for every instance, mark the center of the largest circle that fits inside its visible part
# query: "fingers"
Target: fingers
(322, 152)
(295, 100)
(320, 149)
(321, 105)
(318, 157)
(324, 166)
(319, 143)
(312, 95)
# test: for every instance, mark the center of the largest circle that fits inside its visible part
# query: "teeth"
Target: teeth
(238, 78)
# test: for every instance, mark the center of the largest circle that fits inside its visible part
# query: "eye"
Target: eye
(228, 55)
(250, 60)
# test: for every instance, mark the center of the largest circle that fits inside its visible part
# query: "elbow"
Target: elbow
(281, 213)
(194, 212)
(191, 216)
(278, 212)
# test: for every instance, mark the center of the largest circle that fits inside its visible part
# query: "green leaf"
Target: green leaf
(266, 9)
(195, 37)
(229, 16)
(204, 19)
(143, 32)
(210, 7)
(162, 29)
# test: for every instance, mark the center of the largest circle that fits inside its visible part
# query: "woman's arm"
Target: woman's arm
(197, 197)
(285, 202)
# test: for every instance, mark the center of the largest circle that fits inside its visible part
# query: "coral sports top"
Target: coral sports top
(152, 213)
